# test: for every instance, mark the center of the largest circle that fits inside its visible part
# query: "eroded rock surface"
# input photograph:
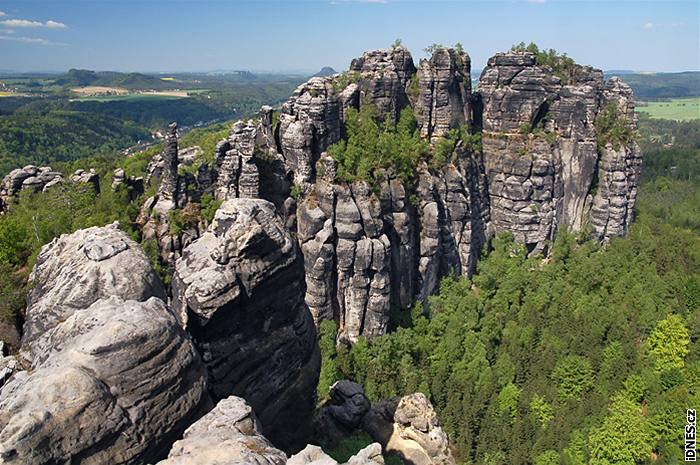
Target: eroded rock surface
(240, 287)
(229, 434)
(344, 411)
(543, 155)
(444, 92)
(75, 270)
(409, 428)
(116, 382)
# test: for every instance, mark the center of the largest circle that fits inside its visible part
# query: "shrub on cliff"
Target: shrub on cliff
(560, 63)
(371, 145)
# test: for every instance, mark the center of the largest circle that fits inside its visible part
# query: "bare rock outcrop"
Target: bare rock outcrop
(75, 270)
(40, 179)
(116, 382)
(240, 287)
(238, 174)
(409, 427)
(133, 185)
(309, 124)
(543, 153)
(444, 92)
(314, 455)
(229, 434)
(383, 78)
(89, 177)
(343, 412)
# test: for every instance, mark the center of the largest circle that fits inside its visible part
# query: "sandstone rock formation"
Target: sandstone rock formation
(75, 270)
(232, 434)
(541, 149)
(116, 382)
(444, 92)
(134, 185)
(228, 434)
(534, 160)
(240, 289)
(409, 428)
(344, 411)
(314, 455)
(87, 177)
(383, 79)
(309, 123)
(39, 179)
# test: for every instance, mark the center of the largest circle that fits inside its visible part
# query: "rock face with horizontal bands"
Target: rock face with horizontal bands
(543, 151)
(309, 123)
(77, 269)
(240, 287)
(444, 92)
(116, 382)
(383, 78)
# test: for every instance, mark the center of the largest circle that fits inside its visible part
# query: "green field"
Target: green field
(679, 109)
(127, 97)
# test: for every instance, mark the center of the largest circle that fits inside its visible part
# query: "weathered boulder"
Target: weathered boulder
(116, 382)
(229, 434)
(444, 92)
(240, 287)
(343, 412)
(75, 270)
(409, 427)
(314, 455)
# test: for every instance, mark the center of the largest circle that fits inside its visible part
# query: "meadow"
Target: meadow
(679, 109)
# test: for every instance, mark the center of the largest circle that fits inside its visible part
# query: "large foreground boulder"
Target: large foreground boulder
(115, 383)
(229, 434)
(75, 270)
(409, 427)
(240, 287)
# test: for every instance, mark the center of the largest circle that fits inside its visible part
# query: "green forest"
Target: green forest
(590, 357)
(54, 128)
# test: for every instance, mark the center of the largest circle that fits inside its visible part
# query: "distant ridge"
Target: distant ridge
(325, 71)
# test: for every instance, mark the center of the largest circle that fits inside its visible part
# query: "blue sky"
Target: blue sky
(179, 35)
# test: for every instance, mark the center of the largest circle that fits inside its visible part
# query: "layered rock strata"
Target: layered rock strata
(75, 270)
(543, 151)
(240, 289)
(111, 376)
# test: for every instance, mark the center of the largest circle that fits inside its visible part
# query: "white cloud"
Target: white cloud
(54, 25)
(7, 31)
(649, 25)
(29, 23)
(2, 13)
(31, 40)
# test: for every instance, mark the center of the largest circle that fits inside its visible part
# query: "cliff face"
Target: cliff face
(545, 162)
(239, 290)
(547, 168)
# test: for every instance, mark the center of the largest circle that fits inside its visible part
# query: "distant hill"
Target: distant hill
(325, 71)
(84, 77)
(651, 86)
